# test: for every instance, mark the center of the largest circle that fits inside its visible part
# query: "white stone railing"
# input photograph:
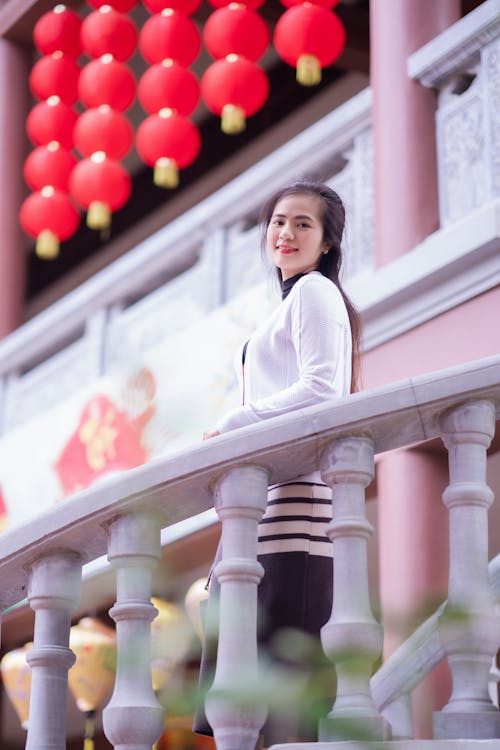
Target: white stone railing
(393, 684)
(147, 295)
(462, 63)
(124, 517)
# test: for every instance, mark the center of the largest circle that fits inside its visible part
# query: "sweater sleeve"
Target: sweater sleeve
(317, 334)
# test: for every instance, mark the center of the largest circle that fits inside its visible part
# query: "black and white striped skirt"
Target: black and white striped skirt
(295, 601)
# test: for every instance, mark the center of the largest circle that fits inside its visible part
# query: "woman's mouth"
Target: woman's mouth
(286, 249)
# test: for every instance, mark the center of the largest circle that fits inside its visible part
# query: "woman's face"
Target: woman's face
(295, 234)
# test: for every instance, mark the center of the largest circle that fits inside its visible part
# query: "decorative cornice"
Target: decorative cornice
(457, 48)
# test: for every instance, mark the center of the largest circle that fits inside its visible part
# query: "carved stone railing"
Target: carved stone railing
(199, 261)
(124, 517)
(393, 684)
(462, 64)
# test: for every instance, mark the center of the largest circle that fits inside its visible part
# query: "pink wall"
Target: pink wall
(464, 333)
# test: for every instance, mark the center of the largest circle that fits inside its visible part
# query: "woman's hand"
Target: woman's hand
(210, 434)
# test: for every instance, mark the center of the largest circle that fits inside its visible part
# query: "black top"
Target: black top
(286, 286)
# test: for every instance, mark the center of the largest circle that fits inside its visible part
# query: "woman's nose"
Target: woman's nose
(286, 231)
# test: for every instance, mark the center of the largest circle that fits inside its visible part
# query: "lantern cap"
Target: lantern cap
(166, 173)
(232, 119)
(98, 215)
(47, 245)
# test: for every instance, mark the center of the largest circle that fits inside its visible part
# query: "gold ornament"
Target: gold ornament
(171, 637)
(16, 677)
(92, 676)
(196, 594)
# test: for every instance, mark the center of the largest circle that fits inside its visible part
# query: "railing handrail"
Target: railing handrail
(152, 258)
(179, 485)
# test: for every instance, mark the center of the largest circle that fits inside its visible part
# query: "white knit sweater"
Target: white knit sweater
(301, 355)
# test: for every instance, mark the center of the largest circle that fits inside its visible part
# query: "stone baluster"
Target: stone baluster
(133, 719)
(53, 593)
(352, 638)
(469, 627)
(232, 705)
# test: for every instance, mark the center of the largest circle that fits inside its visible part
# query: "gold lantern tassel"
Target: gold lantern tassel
(98, 215)
(166, 173)
(88, 741)
(232, 119)
(308, 70)
(47, 245)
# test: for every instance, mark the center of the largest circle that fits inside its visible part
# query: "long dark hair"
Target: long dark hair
(330, 264)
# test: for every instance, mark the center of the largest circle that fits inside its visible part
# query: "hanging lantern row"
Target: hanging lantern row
(308, 35)
(168, 91)
(48, 214)
(234, 87)
(103, 135)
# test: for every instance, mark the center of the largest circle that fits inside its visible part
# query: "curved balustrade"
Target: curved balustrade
(125, 513)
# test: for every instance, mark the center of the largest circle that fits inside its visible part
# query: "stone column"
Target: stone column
(404, 130)
(133, 719)
(352, 638)
(14, 70)
(406, 210)
(232, 704)
(469, 627)
(53, 593)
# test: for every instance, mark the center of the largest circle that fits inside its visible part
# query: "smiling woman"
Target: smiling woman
(305, 353)
(295, 235)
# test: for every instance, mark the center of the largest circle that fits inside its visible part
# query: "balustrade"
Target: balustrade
(469, 626)
(352, 638)
(54, 586)
(133, 719)
(461, 404)
(232, 705)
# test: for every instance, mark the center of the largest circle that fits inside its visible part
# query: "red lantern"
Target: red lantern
(55, 75)
(51, 217)
(184, 6)
(103, 129)
(100, 186)
(51, 121)
(49, 165)
(107, 81)
(168, 143)
(122, 6)
(58, 31)
(168, 85)
(236, 30)
(325, 3)
(234, 88)
(169, 35)
(108, 31)
(309, 37)
(252, 4)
